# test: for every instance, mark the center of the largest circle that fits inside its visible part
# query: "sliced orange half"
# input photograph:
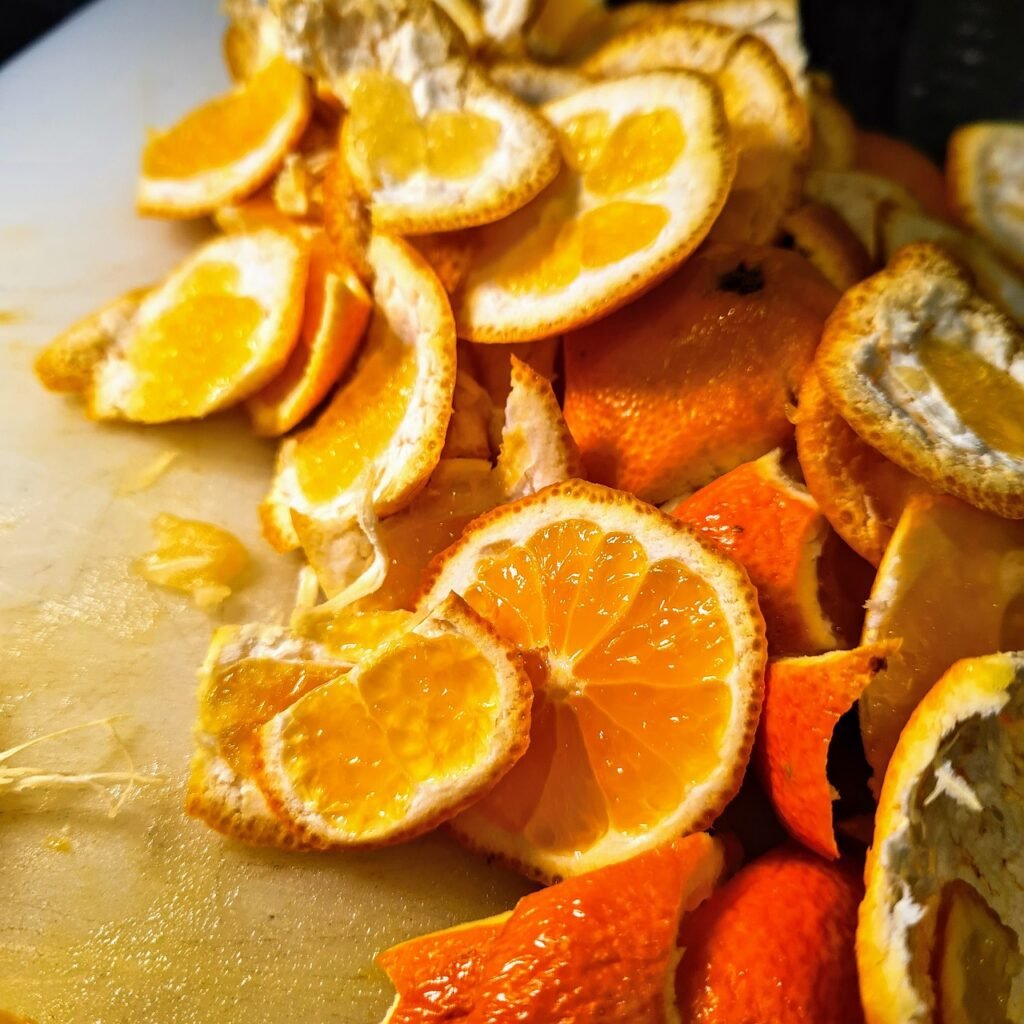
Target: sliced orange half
(950, 586)
(803, 700)
(941, 924)
(648, 166)
(985, 170)
(826, 241)
(646, 650)
(383, 431)
(417, 730)
(226, 148)
(932, 376)
(217, 330)
(334, 318)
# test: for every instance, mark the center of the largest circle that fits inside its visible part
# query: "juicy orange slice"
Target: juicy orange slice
(251, 40)
(226, 148)
(826, 241)
(931, 375)
(648, 165)
(216, 331)
(948, 587)
(646, 651)
(613, 960)
(942, 916)
(861, 492)
(984, 163)
(432, 144)
(413, 733)
(833, 133)
(384, 429)
(535, 83)
(803, 700)
(725, 344)
(773, 528)
(334, 318)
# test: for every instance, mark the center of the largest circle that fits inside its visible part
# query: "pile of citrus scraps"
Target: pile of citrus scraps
(616, 373)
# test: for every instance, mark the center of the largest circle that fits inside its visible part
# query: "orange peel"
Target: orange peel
(825, 240)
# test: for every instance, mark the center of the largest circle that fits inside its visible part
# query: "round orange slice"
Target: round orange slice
(646, 650)
(825, 240)
(648, 166)
(226, 148)
(949, 587)
(418, 729)
(804, 698)
(334, 318)
(384, 429)
(931, 375)
(984, 169)
(941, 924)
(217, 330)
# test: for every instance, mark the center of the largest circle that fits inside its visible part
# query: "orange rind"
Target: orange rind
(900, 162)
(646, 651)
(648, 167)
(415, 731)
(825, 240)
(930, 374)
(833, 133)
(535, 83)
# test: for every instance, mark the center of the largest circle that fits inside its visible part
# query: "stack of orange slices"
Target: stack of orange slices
(639, 419)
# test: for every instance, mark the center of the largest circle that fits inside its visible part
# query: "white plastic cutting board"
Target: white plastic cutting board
(148, 918)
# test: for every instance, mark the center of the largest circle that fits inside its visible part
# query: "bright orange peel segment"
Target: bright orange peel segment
(227, 148)
(646, 651)
(413, 733)
(648, 163)
(825, 240)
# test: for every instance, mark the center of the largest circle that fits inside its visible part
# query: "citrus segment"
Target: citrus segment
(803, 700)
(725, 343)
(616, 220)
(773, 528)
(943, 556)
(614, 605)
(928, 373)
(415, 731)
(226, 148)
(216, 331)
(900, 162)
(941, 926)
(334, 317)
(825, 240)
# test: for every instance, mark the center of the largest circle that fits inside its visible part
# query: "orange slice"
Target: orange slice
(860, 492)
(226, 148)
(804, 698)
(346, 219)
(773, 528)
(383, 431)
(774, 945)
(725, 344)
(833, 133)
(930, 374)
(251, 40)
(432, 144)
(417, 730)
(614, 956)
(157, 362)
(941, 926)
(984, 164)
(536, 83)
(648, 165)
(995, 279)
(335, 313)
(948, 587)
(825, 240)
(646, 651)
(900, 162)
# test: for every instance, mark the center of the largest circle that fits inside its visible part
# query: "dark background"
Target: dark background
(915, 68)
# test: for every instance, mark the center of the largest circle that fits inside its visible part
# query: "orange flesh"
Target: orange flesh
(641, 149)
(203, 342)
(357, 754)
(225, 129)
(394, 142)
(359, 423)
(630, 707)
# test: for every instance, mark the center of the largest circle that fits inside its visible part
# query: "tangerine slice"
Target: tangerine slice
(942, 915)
(646, 651)
(413, 733)
(615, 221)
(825, 240)
(226, 148)
(334, 318)
(930, 374)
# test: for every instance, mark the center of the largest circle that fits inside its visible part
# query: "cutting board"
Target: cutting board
(147, 916)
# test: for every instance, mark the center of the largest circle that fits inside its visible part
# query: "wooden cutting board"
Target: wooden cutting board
(147, 917)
